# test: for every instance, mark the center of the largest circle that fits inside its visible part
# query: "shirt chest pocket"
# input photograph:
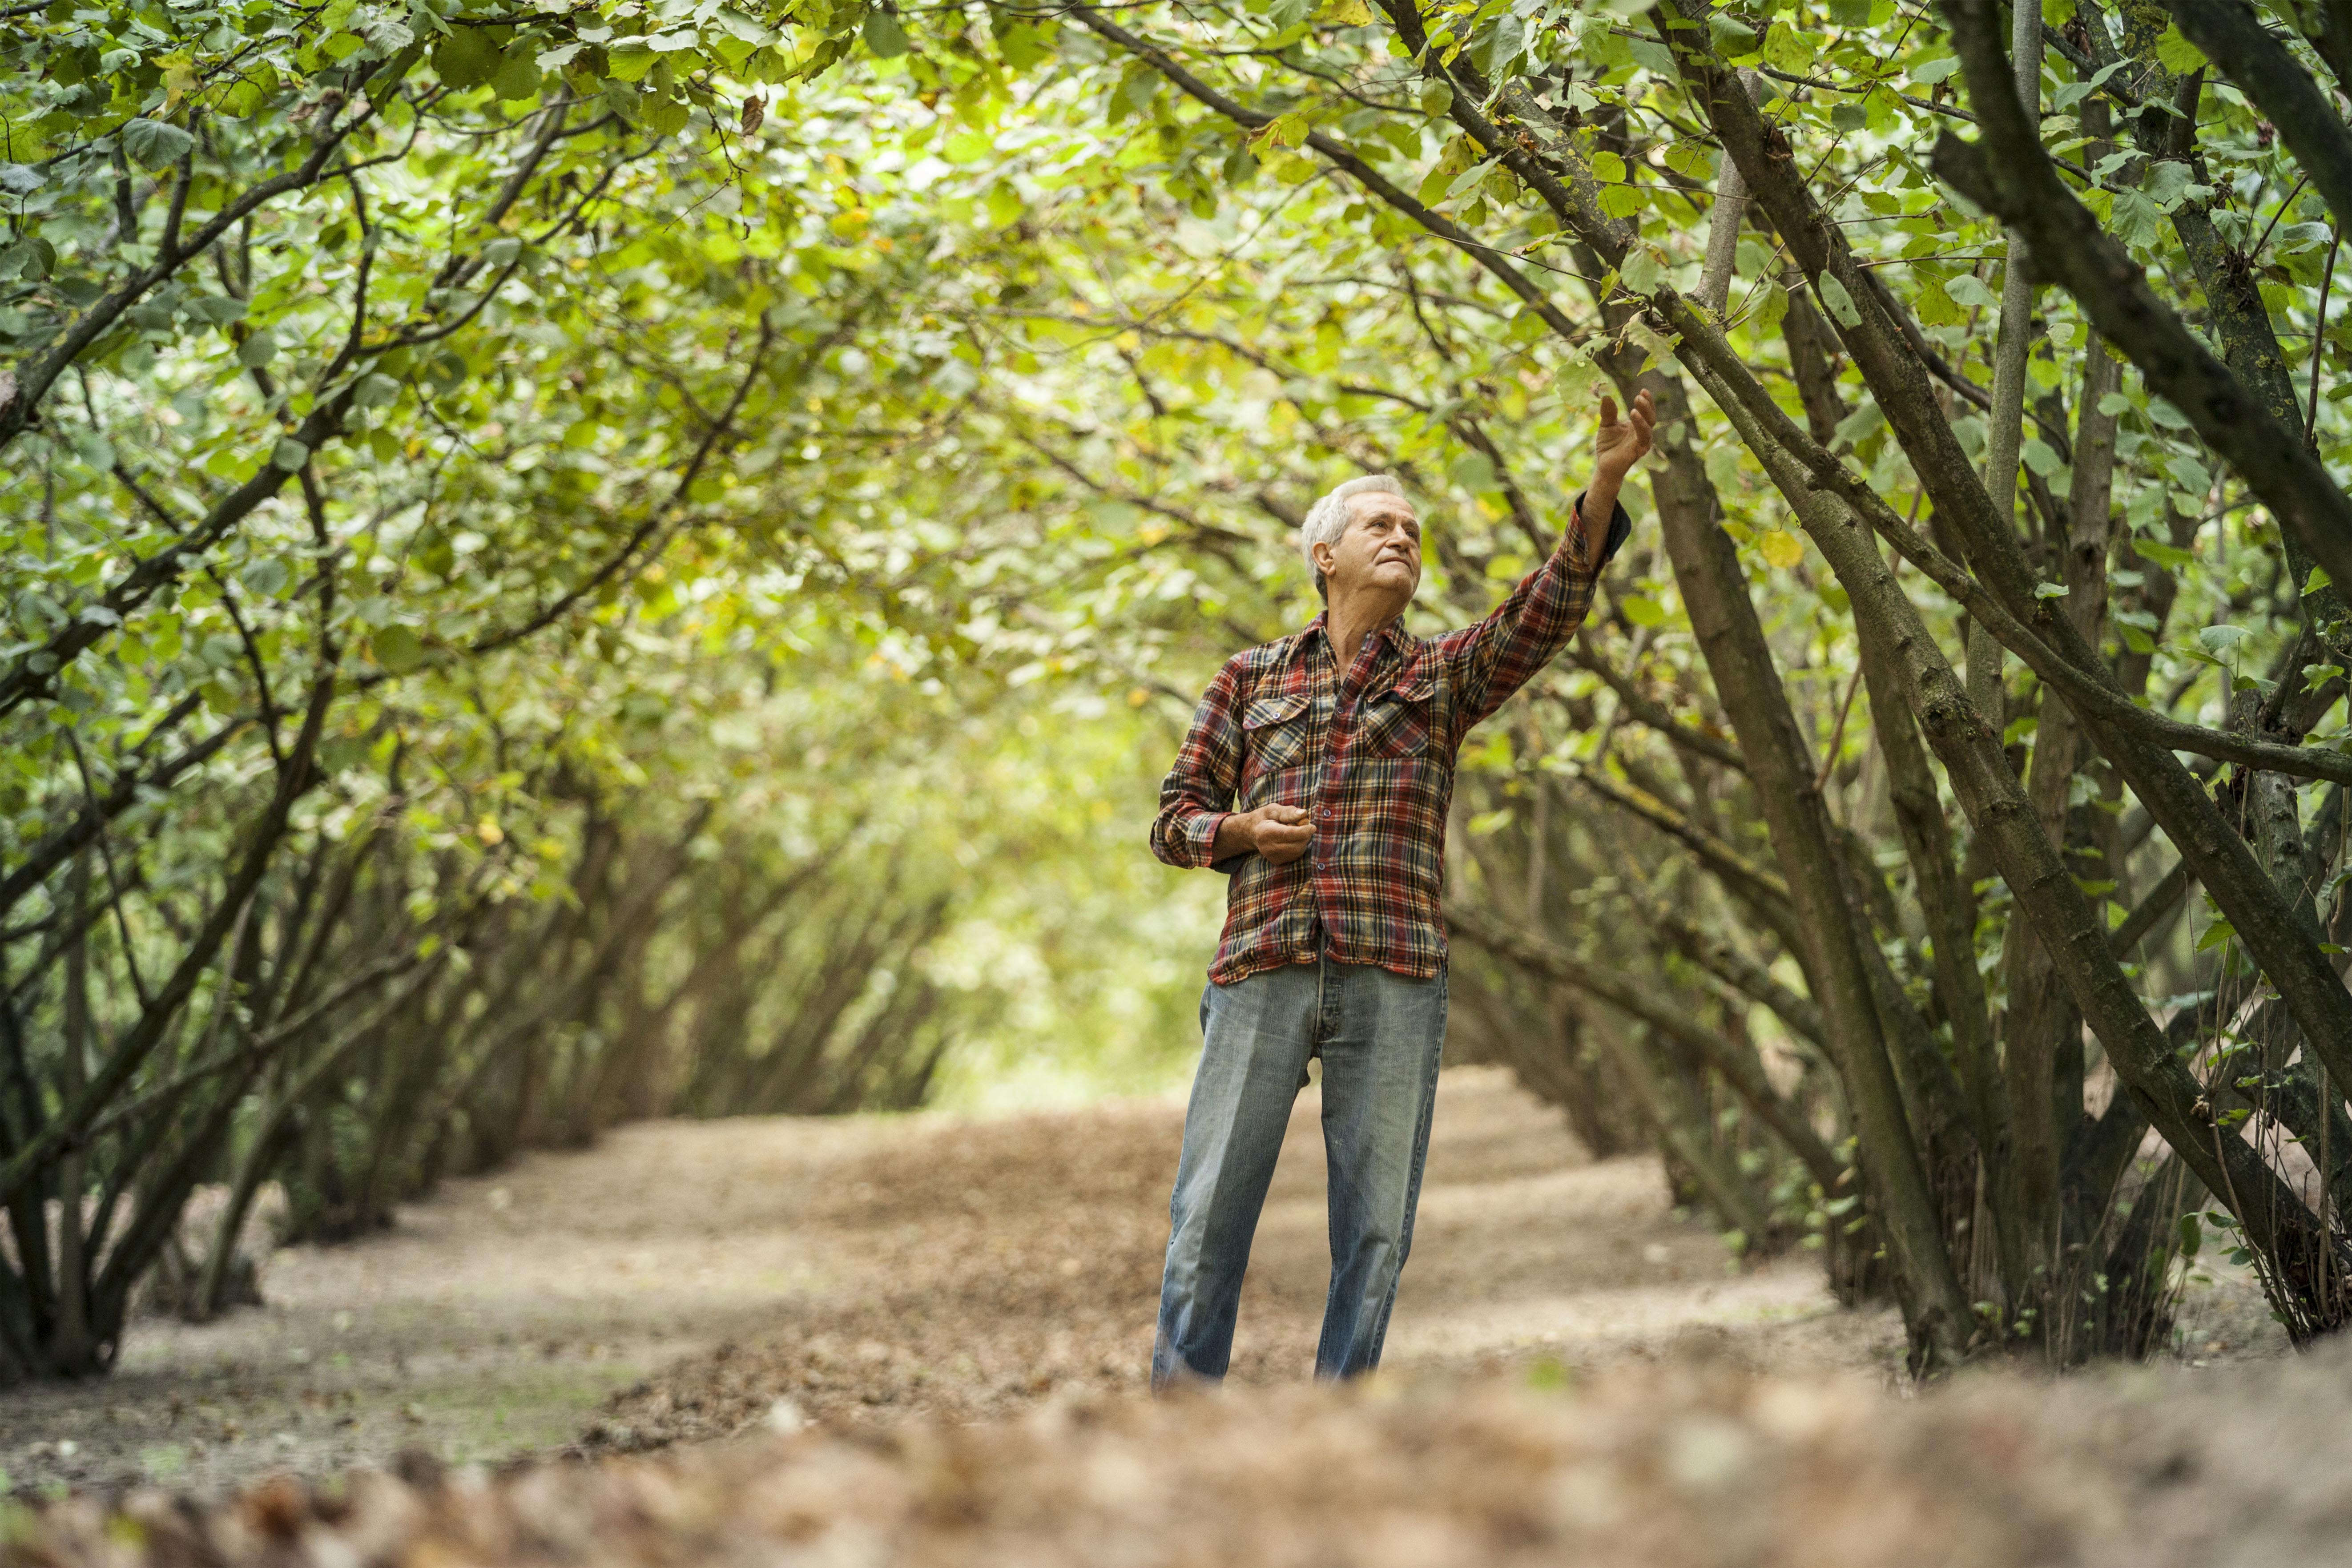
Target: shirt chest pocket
(1401, 720)
(1275, 730)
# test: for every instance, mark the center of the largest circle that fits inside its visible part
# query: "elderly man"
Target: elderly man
(1316, 774)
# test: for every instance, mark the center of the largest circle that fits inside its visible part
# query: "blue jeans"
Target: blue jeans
(1380, 1036)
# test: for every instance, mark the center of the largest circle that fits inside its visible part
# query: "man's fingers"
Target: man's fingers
(1287, 813)
(1608, 410)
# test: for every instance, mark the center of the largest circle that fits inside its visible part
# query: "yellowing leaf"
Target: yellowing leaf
(1781, 548)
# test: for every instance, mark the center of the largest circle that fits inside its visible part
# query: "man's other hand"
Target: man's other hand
(1281, 833)
(1621, 443)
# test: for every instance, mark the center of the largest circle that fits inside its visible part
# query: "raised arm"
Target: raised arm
(1495, 657)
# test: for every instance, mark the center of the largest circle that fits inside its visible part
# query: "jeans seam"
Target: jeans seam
(1413, 1186)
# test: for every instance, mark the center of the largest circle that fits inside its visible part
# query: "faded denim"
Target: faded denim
(1380, 1036)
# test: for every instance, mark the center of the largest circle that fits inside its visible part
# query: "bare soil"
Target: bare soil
(922, 1340)
(679, 1278)
(1684, 1463)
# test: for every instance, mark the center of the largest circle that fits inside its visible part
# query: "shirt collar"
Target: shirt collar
(1393, 634)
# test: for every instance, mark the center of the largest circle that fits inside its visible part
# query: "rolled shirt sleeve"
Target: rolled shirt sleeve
(1198, 793)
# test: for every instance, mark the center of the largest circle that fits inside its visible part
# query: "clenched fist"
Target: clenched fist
(1280, 833)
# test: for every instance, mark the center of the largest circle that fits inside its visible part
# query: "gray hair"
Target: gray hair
(1328, 517)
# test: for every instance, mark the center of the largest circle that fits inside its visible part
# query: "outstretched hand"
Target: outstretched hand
(1621, 443)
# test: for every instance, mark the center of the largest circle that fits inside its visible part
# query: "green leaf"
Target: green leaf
(2050, 590)
(465, 58)
(1732, 37)
(266, 576)
(1643, 271)
(2136, 219)
(1607, 168)
(2218, 641)
(288, 454)
(518, 77)
(1502, 44)
(884, 35)
(2216, 934)
(1839, 302)
(2040, 458)
(2317, 580)
(1620, 201)
(1788, 49)
(2177, 54)
(1970, 289)
(633, 63)
(32, 257)
(397, 648)
(258, 350)
(152, 144)
(1937, 308)
(1468, 179)
(1641, 610)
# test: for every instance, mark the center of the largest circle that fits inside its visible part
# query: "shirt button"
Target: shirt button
(1323, 811)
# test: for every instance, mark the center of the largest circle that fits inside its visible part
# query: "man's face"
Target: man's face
(1379, 550)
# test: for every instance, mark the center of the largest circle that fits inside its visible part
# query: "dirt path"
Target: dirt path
(681, 1278)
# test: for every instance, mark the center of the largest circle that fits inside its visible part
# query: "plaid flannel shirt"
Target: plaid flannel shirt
(1371, 756)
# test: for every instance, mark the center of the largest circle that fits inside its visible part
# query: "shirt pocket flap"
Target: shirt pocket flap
(1278, 709)
(1415, 686)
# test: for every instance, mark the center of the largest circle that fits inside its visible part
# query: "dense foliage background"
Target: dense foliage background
(577, 561)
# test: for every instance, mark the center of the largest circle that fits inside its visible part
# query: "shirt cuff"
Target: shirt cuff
(1621, 527)
(1200, 837)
